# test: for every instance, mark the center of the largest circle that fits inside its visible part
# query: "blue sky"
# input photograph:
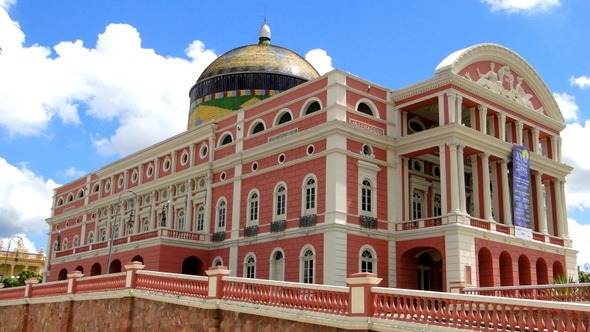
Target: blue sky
(83, 83)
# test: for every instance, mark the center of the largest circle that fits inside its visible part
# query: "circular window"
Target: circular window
(416, 125)
(150, 171)
(204, 150)
(167, 165)
(134, 176)
(107, 187)
(120, 181)
(310, 149)
(184, 158)
(367, 150)
(254, 166)
(222, 176)
(281, 158)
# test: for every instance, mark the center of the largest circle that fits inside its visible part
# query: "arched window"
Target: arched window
(309, 203)
(253, 204)
(76, 242)
(91, 237)
(364, 108)
(367, 261)
(180, 221)
(280, 203)
(285, 117)
(145, 225)
(60, 201)
(70, 197)
(258, 128)
(64, 244)
(200, 222)
(250, 267)
(221, 215)
(103, 235)
(217, 261)
(307, 266)
(116, 232)
(277, 265)
(313, 107)
(437, 206)
(416, 205)
(226, 139)
(366, 198)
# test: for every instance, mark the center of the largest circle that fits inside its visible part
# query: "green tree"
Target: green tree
(20, 279)
(583, 277)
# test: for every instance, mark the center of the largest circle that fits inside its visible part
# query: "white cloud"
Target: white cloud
(320, 59)
(581, 81)
(25, 200)
(14, 242)
(579, 235)
(567, 105)
(6, 3)
(522, 6)
(73, 173)
(146, 94)
(574, 154)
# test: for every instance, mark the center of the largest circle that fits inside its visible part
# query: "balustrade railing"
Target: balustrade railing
(360, 298)
(549, 292)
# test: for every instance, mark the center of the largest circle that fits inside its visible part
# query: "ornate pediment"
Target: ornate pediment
(502, 80)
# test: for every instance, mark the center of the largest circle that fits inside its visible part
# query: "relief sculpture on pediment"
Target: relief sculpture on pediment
(504, 82)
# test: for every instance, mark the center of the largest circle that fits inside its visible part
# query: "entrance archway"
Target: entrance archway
(422, 269)
(95, 270)
(193, 265)
(486, 268)
(115, 266)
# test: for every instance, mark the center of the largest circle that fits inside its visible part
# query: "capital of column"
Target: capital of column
(482, 108)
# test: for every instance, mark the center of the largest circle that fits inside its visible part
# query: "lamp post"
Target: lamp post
(7, 251)
(118, 216)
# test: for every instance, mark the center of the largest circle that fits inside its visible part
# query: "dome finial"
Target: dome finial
(264, 34)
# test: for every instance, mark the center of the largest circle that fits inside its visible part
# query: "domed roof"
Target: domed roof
(260, 58)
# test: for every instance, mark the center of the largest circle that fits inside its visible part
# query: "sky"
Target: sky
(84, 83)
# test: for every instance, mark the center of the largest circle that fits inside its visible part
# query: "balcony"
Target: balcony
(277, 226)
(307, 221)
(251, 231)
(368, 222)
(218, 237)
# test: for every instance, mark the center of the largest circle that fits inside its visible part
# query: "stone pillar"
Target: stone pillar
(506, 206)
(483, 118)
(535, 139)
(216, 274)
(549, 207)
(406, 189)
(501, 126)
(442, 151)
(559, 209)
(476, 186)
(131, 276)
(563, 209)
(454, 181)
(29, 286)
(73, 281)
(452, 104)
(540, 198)
(519, 135)
(461, 175)
(487, 194)
(360, 301)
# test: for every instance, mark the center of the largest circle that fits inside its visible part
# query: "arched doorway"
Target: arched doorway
(486, 268)
(524, 270)
(558, 272)
(137, 258)
(115, 266)
(95, 270)
(63, 274)
(193, 266)
(542, 274)
(422, 269)
(506, 271)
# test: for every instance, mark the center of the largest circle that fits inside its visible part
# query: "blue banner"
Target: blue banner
(521, 183)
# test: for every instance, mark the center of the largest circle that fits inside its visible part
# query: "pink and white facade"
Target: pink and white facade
(414, 185)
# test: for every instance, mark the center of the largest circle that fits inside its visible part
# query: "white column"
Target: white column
(535, 134)
(483, 118)
(459, 108)
(519, 126)
(487, 195)
(496, 193)
(455, 207)
(540, 198)
(188, 208)
(559, 208)
(452, 102)
(549, 207)
(505, 193)
(406, 189)
(501, 117)
(461, 175)
(442, 152)
(441, 110)
(472, 118)
(476, 186)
